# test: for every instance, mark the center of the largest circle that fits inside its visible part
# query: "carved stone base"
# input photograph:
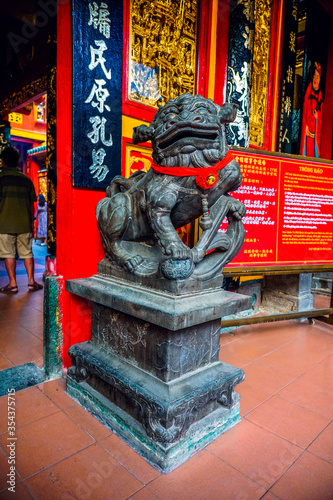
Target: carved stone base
(151, 371)
(290, 292)
(165, 422)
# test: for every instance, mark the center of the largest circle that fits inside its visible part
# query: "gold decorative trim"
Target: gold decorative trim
(162, 56)
(51, 164)
(137, 158)
(259, 88)
(35, 136)
(25, 94)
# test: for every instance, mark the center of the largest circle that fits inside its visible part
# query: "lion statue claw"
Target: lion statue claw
(192, 176)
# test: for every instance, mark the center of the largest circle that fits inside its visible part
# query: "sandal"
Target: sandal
(35, 287)
(9, 289)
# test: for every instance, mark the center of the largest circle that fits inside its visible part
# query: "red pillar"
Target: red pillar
(79, 246)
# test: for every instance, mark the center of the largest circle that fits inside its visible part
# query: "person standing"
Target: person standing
(17, 196)
(41, 213)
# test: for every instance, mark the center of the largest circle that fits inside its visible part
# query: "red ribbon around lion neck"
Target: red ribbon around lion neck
(205, 177)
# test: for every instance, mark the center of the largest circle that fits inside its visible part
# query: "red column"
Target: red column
(79, 246)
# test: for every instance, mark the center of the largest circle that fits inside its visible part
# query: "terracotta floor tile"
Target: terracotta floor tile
(311, 395)
(277, 334)
(28, 314)
(39, 362)
(19, 352)
(46, 441)
(5, 300)
(39, 307)
(21, 493)
(39, 332)
(240, 332)
(30, 404)
(10, 302)
(229, 354)
(323, 445)
(320, 375)
(309, 348)
(130, 459)
(321, 326)
(55, 389)
(328, 361)
(226, 338)
(6, 325)
(289, 421)
(324, 333)
(88, 422)
(250, 397)
(270, 339)
(251, 348)
(4, 363)
(266, 378)
(19, 313)
(144, 494)
(287, 363)
(4, 470)
(309, 478)
(89, 474)
(269, 496)
(321, 301)
(33, 322)
(205, 476)
(256, 452)
(12, 337)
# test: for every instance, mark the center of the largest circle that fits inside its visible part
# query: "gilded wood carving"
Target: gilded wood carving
(260, 68)
(163, 38)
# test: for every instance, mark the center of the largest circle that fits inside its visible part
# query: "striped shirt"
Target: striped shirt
(17, 194)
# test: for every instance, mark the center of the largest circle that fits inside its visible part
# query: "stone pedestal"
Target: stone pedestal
(288, 292)
(322, 283)
(151, 371)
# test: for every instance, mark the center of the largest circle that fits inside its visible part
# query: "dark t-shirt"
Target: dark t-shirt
(17, 193)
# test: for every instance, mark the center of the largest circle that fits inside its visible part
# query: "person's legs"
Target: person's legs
(24, 244)
(7, 252)
(30, 268)
(11, 271)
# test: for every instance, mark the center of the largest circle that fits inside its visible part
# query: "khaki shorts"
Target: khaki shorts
(12, 243)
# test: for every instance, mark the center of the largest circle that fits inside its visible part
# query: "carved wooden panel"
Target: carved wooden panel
(260, 68)
(162, 56)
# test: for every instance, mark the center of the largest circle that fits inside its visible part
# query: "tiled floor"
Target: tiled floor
(282, 448)
(21, 316)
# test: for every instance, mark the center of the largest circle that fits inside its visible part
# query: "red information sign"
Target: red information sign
(289, 218)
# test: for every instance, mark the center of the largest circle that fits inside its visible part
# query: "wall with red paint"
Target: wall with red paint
(79, 246)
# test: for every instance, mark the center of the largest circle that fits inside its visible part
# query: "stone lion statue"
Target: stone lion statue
(193, 173)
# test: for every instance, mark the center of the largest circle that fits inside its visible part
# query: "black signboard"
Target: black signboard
(288, 77)
(97, 86)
